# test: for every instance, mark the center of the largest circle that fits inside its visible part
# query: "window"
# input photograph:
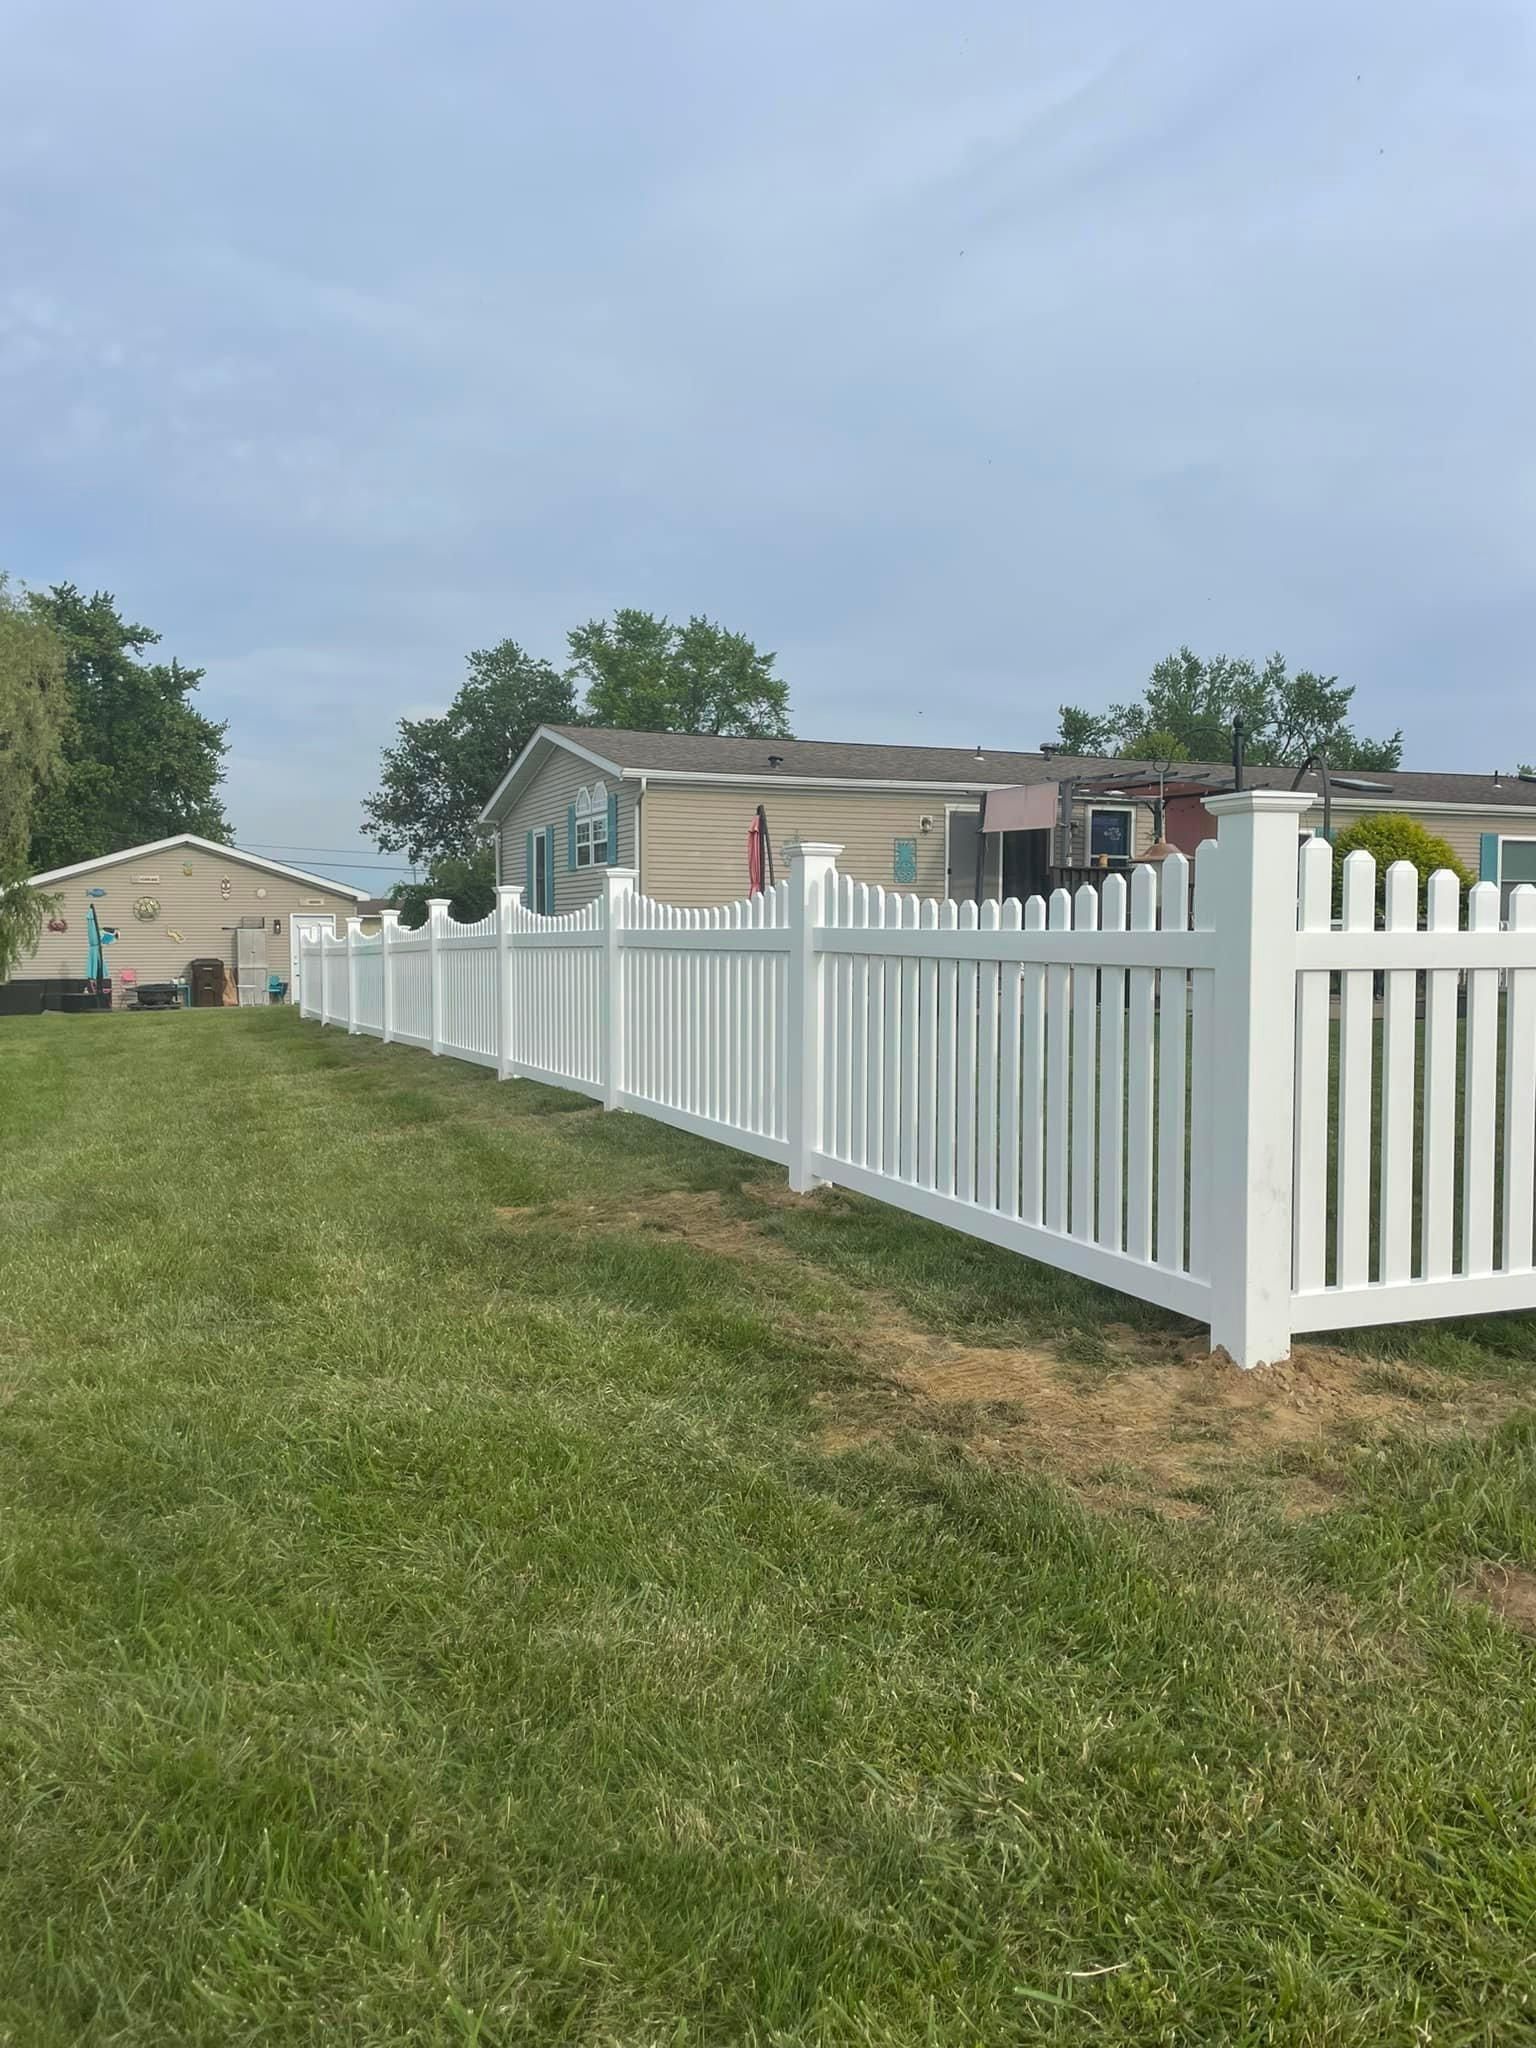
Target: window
(592, 827)
(1517, 864)
(1109, 834)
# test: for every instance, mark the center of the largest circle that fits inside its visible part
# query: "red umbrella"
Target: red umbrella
(759, 854)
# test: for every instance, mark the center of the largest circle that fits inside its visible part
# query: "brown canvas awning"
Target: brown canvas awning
(1026, 807)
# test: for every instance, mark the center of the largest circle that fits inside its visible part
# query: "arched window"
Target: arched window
(592, 827)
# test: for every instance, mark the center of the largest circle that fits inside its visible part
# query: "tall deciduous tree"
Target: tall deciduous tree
(649, 675)
(1192, 703)
(436, 777)
(469, 885)
(34, 717)
(139, 762)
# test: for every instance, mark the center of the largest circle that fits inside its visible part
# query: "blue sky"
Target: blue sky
(970, 357)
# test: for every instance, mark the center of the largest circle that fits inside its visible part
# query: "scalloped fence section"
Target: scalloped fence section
(1253, 1092)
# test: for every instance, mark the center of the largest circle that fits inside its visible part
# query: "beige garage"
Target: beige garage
(175, 901)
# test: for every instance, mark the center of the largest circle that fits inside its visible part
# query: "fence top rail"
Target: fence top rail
(1146, 899)
(1064, 946)
(521, 919)
(765, 911)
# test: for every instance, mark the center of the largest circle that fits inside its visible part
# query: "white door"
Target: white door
(307, 924)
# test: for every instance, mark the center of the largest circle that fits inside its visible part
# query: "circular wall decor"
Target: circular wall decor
(147, 909)
(260, 893)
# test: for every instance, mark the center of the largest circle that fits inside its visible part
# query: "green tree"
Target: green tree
(435, 780)
(1192, 702)
(1082, 732)
(648, 675)
(139, 762)
(469, 884)
(1390, 836)
(34, 717)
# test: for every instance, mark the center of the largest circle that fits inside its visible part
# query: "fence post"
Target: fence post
(354, 928)
(508, 896)
(812, 864)
(389, 924)
(618, 887)
(437, 910)
(1254, 1071)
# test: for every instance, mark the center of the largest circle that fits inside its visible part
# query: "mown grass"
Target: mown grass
(425, 1625)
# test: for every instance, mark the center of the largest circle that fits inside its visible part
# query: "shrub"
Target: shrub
(1389, 837)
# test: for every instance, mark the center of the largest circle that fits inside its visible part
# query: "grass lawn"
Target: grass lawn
(475, 1570)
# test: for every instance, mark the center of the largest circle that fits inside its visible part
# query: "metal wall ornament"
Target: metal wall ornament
(174, 937)
(146, 909)
(226, 886)
(58, 924)
(95, 892)
(186, 867)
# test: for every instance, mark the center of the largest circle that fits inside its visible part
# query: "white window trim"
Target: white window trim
(592, 848)
(1092, 811)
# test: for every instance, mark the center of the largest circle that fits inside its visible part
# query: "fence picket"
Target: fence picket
(1058, 1074)
(1085, 1071)
(890, 1088)
(1309, 1235)
(907, 1112)
(1111, 1073)
(926, 1107)
(1172, 1070)
(947, 1063)
(858, 1005)
(1139, 1077)
(1520, 1092)
(1352, 1171)
(1009, 1075)
(1032, 1063)
(1439, 1115)
(1480, 1096)
(988, 981)
(1399, 1030)
(966, 1030)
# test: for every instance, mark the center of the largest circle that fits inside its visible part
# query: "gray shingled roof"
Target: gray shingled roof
(836, 760)
(858, 761)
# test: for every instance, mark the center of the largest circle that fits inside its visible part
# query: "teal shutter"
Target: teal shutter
(528, 902)
(549, 870)
(1488, 857)
(613, 827)
(570, 835)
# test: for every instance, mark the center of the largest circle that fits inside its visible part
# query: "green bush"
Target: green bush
(1390, 837)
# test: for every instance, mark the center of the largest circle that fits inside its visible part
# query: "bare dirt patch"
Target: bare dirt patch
(1156, 1422)
(1509, 1590)
(1164, 1422)
(699, 1217)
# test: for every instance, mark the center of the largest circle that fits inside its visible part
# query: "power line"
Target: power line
(335, 854)
(276, 845)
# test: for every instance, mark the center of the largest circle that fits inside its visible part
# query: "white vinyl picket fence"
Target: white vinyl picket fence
(1206, 1096)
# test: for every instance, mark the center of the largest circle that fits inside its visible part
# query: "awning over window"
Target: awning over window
(1027, 807)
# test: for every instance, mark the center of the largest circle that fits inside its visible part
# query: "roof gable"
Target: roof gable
(152, 846)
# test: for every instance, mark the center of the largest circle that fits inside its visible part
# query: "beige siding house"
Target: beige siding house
(677, 807)
(174, 901)
(682, 804)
